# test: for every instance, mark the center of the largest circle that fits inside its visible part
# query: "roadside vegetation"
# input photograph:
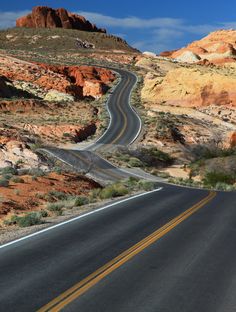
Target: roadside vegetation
(60, 203)
(215, 167)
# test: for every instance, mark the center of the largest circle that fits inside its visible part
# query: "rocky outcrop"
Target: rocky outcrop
(188, 57)
(149, 54)
(39, 79)
(177, 88)
(92, 80)
(13, 151)
(45, 17)
(76, 133)
(55, 96)
(218, 47)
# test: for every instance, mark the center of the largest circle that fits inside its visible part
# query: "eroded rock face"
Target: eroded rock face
(91, 80)
(177, 88)
(38, 79)
(218, 47)
(45, 17)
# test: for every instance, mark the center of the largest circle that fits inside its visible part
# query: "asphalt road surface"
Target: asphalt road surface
(169, 250)
(124, 128)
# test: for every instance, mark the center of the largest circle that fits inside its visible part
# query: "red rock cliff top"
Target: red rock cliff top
(45, 17)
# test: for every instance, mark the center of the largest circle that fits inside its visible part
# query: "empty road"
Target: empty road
(169, 250)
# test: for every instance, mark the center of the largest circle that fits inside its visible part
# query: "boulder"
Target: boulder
(56, 96)
(188, 57)
(150, 54)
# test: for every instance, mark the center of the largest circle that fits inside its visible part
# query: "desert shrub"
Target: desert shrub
(66, 135)
(224, 187)
(94, 194)
(29, 219)
(214, 177)
(56, 207)
(212, 151)
(17, 180)
(135, 162)
(149, 157)
(81, 200)
(147, 185)
(43, 213)
(114, 190)
(36, 172)
(7, 176)
(8, 170)
(4, 182)
(57, 170)
(34, 178)
(56, 195)
(17, 192)
(131, 182)
(32, 218)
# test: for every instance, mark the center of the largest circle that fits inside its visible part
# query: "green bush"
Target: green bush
(29, 219)
(224, 187)
(147, 185)
(17, 180)
(114, 190)
(37, 172)
(7, 176)
(56, 195)
(81, 200)
(212, 151)
(44, 213)
(135, 162)
(32, 218)
(4, 182)
(56, 207)
(214, 177)
(8, 170)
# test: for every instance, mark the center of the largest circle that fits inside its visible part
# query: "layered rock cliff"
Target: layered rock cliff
(45, 17)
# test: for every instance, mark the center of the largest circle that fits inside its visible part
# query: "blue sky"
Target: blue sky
(150, 25)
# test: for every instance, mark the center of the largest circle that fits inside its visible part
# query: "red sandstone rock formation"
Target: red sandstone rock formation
(45, 17)
(67, 79)
(92, 80)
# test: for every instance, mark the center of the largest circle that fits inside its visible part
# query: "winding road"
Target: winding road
(169, 250)
(124, 128)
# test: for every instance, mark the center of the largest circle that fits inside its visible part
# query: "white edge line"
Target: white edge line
(110, 115)
(79, 217)
(134, 110)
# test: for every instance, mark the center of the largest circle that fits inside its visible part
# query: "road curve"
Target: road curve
(125, 124)
(124, 127)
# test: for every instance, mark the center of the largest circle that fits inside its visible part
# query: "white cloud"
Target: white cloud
(131, 22)
(8, 19)
(159, 33)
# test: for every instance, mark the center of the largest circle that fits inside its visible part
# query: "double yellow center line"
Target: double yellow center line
(80, 288)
